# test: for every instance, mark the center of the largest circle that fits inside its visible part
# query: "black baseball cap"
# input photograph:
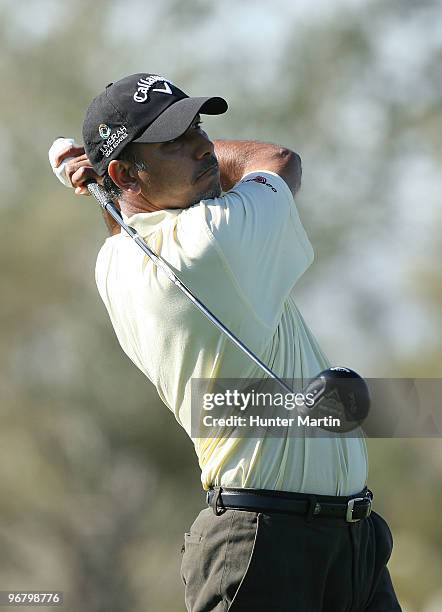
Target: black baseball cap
(139, 108)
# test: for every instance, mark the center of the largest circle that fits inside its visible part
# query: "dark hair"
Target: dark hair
(128, 155)
(112, 190)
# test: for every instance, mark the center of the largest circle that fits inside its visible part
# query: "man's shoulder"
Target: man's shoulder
(259, 197)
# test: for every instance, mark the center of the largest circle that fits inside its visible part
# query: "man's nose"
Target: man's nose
(203, 145)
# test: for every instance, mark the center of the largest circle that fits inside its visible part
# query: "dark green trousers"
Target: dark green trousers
(245, 561)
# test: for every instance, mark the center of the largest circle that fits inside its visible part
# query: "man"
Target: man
(289, 525)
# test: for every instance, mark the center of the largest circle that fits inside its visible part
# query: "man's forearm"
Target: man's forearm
(233, 157)
(236, 157)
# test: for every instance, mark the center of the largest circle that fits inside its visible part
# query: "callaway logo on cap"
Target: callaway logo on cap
(142, 108)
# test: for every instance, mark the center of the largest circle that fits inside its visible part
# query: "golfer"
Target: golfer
(289, 525)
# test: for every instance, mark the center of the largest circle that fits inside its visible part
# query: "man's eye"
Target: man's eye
(197, 125)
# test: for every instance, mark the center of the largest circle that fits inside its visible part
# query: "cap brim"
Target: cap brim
(176, 119)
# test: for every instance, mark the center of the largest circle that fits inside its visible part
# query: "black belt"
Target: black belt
(351, 509)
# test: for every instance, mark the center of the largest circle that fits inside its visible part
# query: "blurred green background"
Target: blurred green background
(98, 482)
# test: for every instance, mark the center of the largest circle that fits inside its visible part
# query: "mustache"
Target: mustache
(212, 162)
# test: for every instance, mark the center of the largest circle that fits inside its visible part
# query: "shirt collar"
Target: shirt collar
(148, 222)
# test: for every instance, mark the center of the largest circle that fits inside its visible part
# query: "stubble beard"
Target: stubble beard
(208, 194)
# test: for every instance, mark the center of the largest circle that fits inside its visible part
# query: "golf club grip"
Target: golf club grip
(99, 193)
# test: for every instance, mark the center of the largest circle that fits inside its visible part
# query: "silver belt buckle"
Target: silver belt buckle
(350, 505)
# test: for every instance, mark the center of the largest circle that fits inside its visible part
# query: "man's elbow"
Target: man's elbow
(291, 168)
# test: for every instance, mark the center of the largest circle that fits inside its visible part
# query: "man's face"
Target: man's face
(179, 172)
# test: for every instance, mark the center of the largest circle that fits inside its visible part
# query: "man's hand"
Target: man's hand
(73, 168)
(71, 165)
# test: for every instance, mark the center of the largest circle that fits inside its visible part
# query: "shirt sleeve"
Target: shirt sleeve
(257, 228)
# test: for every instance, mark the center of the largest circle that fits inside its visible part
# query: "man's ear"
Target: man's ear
(124, 176)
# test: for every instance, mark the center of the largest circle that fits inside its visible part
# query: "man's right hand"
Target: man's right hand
(73, 168)
(77, 169)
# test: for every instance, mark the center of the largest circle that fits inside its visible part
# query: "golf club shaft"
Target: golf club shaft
(107, 204)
